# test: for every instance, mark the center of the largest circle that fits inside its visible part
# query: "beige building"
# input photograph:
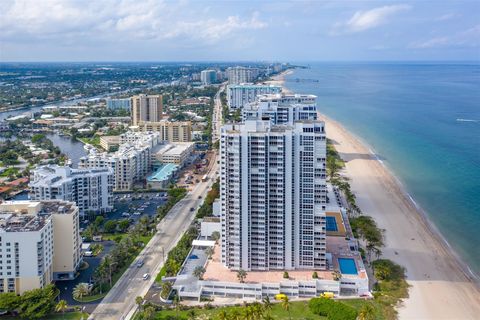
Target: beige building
(146, 108)
(40, 243)
(178, 131)
(108, 142)
(174, 153)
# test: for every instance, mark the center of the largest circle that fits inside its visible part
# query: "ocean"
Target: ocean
(423, 121)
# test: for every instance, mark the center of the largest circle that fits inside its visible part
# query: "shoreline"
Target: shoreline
(442, 284)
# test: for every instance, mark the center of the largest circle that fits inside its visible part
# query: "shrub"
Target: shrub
(332, 309)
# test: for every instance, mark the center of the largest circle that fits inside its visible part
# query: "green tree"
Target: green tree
(110, 226)
(148, 313)
(139, 302)
(286, 306)
(286, 275)
(198, 272)
(99, 220)
(367, 312)
(241, 275)
(315, 275)
(9, 301)
(222, 315)
(37, 303)
(61, 307)
(209, 252)
(81, 290)
(215, 236)
(267, 304)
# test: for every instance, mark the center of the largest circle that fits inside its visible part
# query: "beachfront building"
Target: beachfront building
(118, 104)
(40, 243)
(208, 77)
(171, 131)
(273, 195)
(240, 94)
(146, 108)
(130, 164)
(91, 189)
(238, 75)
(281, 108)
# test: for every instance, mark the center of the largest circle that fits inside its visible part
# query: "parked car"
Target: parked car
(139, 263)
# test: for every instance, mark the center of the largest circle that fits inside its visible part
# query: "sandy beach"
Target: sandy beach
(440, 286)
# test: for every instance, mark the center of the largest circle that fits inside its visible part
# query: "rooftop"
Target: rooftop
(163, 172)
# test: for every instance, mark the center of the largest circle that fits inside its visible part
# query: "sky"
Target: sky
(194, 30)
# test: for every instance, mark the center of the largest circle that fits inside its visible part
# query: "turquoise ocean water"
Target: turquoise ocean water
(423, 121)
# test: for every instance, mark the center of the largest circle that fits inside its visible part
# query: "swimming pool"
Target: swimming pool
(347, 266)
(331, 224)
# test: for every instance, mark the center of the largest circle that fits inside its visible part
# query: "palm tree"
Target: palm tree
(241, 275)
(286, 306)
(257, 310)
(176, 303)
(198, 272)
(215, 236)
(209, 252)
(148, 313)
(267, 304)
(222, 315)
(337, 275)
(367, 312)
(139, 301)
(235, 314)
(61, 307)
(191, 314)
(82, 289)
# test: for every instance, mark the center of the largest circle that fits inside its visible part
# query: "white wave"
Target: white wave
(467, 120)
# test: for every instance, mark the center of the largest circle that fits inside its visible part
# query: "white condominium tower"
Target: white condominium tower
(146, 108)
(238, 75)
(91, 189)
(282, 108)
(273, 195)
(238, 95)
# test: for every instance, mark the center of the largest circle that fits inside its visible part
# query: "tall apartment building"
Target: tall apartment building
(282, 108)
(171, 131)
(116, 104)
(146, 108)
(90, 189)
(40, 243)
(131, 163)
(273, 195)
(208, 77)
(238, 75)
(239, 95)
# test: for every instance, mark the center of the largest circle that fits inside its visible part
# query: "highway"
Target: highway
(120, 301)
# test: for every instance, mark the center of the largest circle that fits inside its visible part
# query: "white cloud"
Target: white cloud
(117, 20)
(447, 16)
(466, 38)
(365, 20)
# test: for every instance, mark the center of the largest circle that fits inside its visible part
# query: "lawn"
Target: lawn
(77, 315)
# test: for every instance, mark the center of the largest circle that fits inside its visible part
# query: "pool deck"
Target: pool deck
(340, 248)
(215, 271)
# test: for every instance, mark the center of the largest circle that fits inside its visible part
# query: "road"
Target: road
(120, 301)
(217, 114)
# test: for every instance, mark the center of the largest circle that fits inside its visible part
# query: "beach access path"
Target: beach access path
(440, 289)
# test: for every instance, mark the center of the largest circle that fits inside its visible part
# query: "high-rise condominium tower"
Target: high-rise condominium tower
(146, 108)
(273, 195)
